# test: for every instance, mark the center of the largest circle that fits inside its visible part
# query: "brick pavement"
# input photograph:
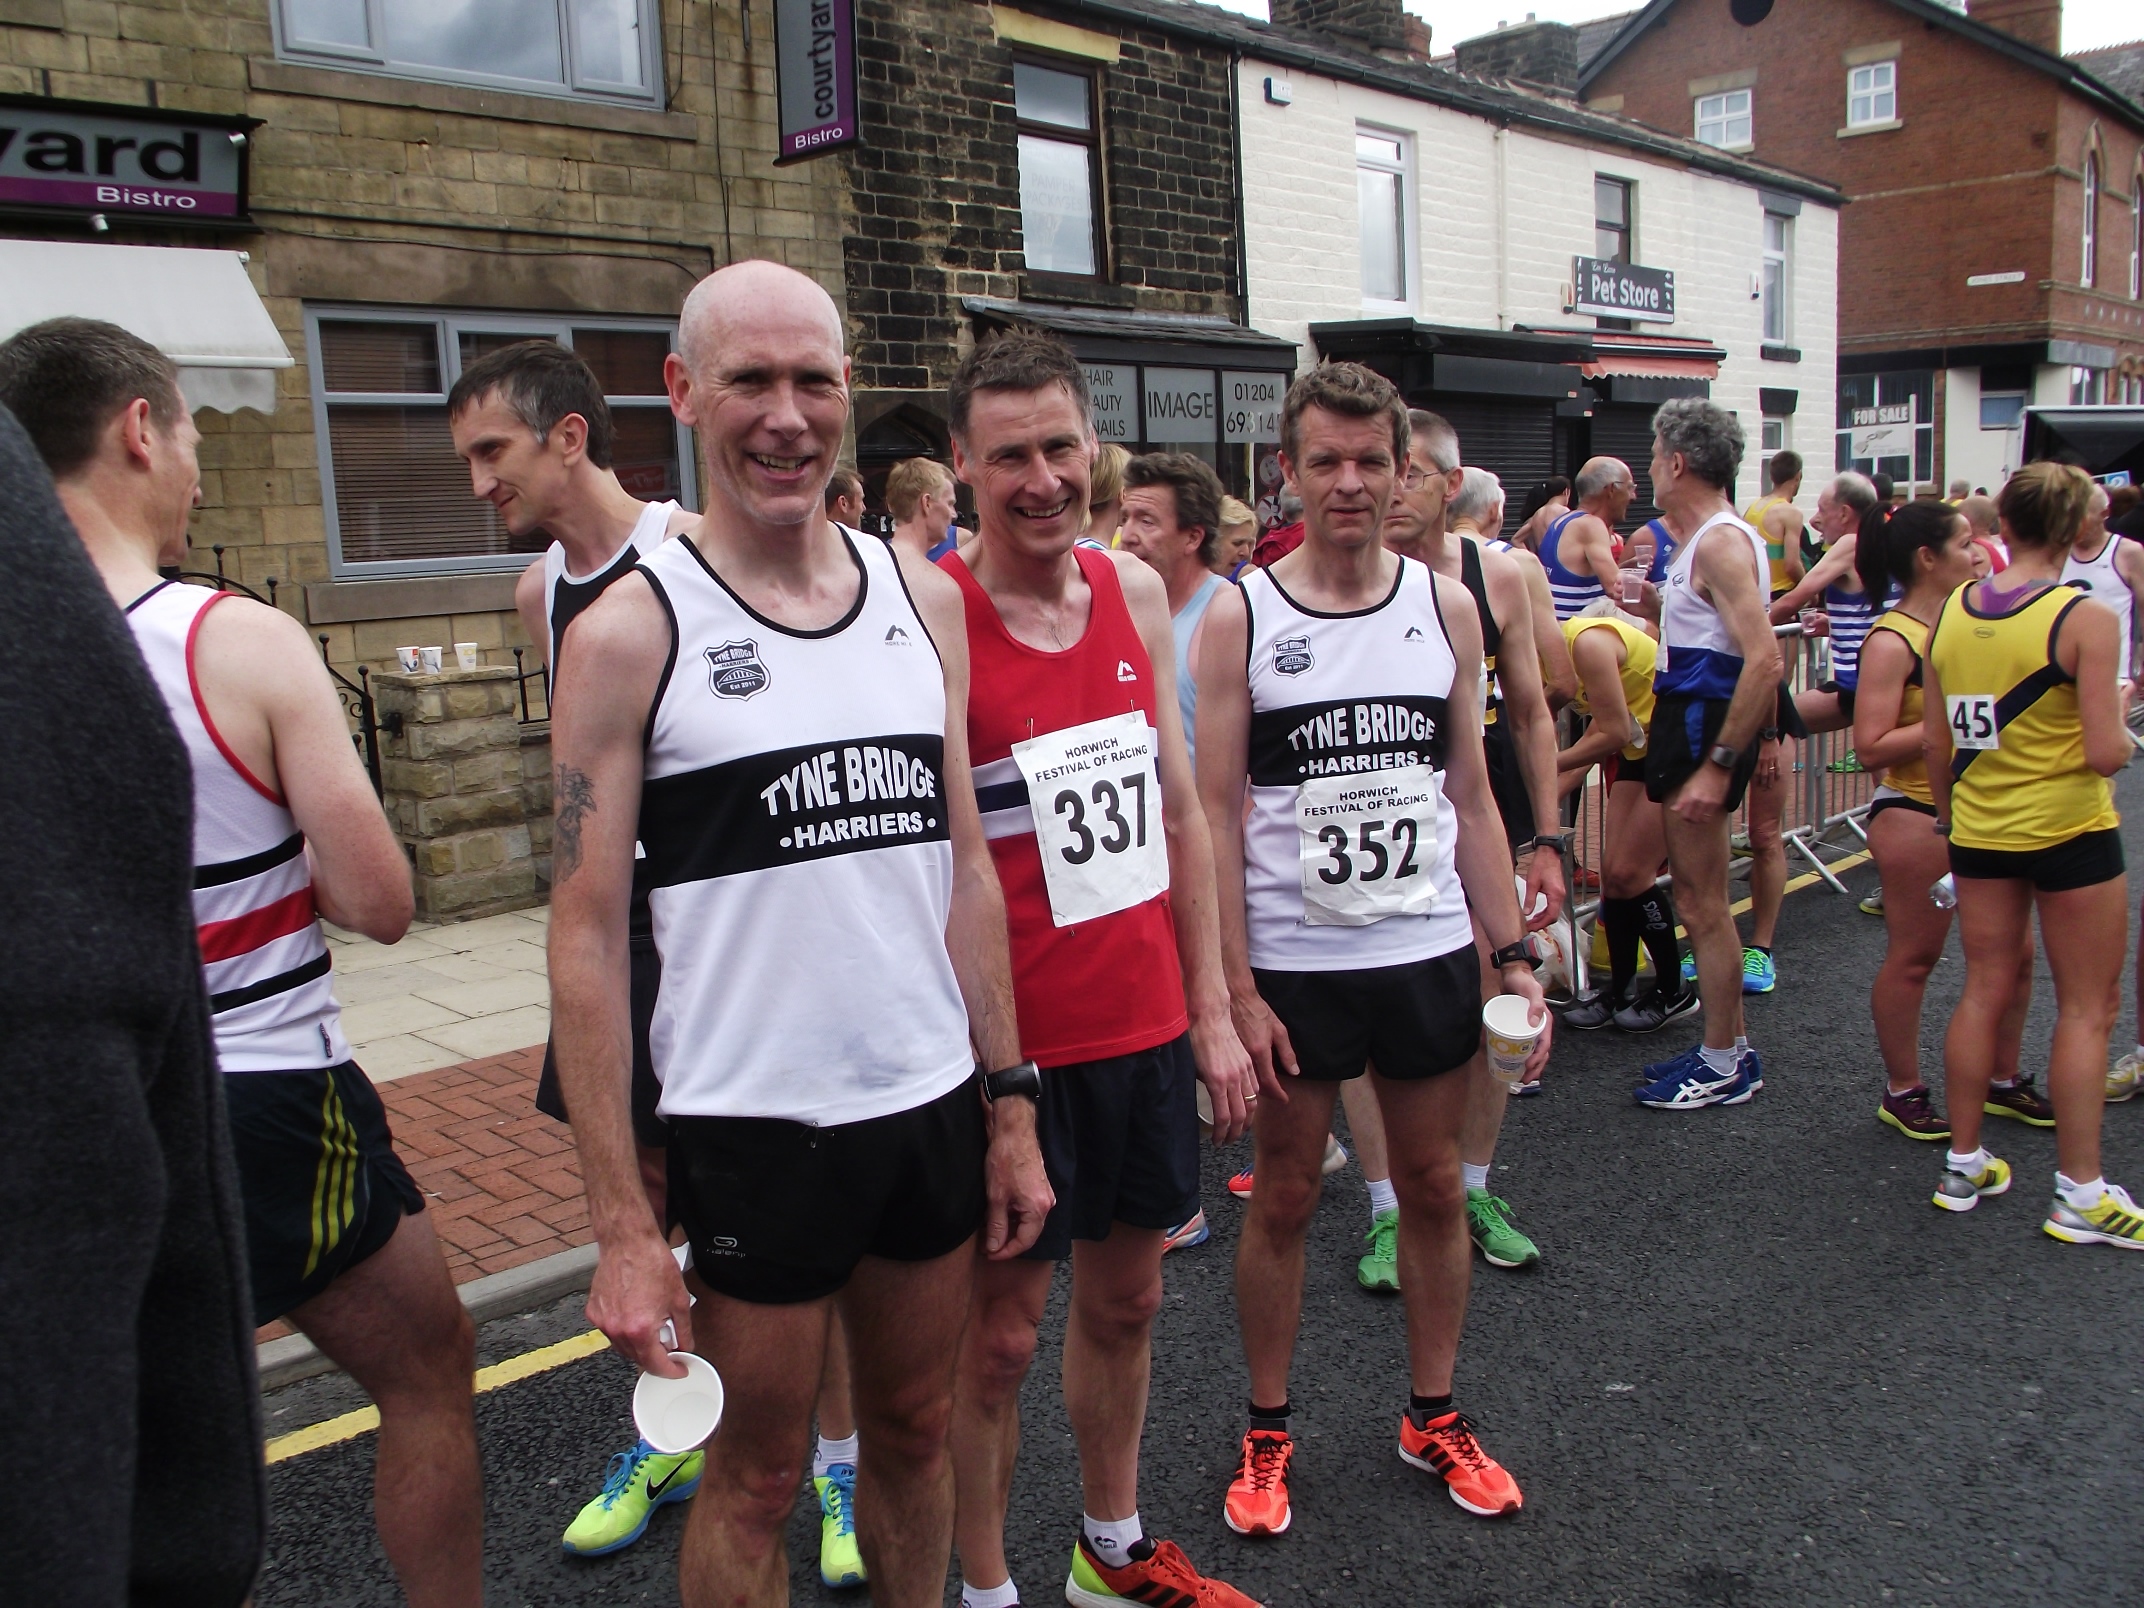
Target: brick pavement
(502, 1182)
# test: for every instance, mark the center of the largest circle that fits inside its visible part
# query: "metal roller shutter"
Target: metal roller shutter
(1621, 430)
(1515, 441)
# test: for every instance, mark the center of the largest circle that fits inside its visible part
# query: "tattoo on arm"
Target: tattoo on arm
(576, 800)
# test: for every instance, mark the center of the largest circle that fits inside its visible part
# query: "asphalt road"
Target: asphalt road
(1755, 1367)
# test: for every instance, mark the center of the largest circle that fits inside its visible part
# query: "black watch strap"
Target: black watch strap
(1026, 1078)
(1559, 841)
(1513, 954)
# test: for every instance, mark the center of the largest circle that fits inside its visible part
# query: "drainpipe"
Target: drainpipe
(1503, 227)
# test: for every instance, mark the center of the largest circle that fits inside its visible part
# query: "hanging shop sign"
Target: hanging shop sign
(143, 164)
(1622, 290)
(815, 78)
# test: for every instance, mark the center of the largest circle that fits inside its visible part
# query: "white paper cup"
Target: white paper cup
(431, 658)
(466, 654)
(1510, 1036)
(412, 659)
(676, 1415)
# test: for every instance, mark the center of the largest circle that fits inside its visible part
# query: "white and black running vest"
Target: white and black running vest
(566, 596)
(1342, 696)
(1698, 657)
(271, 992)
(797, 854)
(2098, 578)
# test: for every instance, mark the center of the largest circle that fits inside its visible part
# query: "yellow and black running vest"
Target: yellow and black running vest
(1908, 776)
(2032, 790)
(1640, 656)
(1776, 551)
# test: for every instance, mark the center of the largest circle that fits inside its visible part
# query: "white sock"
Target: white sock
(1476, 1177)
(1969, 1165)
(1382, 1198)
(1005, 1596)
(1741, 1043)
(1112, 1539)
(831, 1452)
(2082, 1195)
(1721, 1062)
(2140, 1052)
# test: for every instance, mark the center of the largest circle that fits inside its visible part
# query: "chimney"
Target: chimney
(2037, 22)
(1539, 53)
(1379, 24)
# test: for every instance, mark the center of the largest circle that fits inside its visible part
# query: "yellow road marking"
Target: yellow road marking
(349, 1426)
(500, 1374)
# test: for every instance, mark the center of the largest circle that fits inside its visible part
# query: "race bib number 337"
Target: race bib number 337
(1096, 797)
(1368, 844)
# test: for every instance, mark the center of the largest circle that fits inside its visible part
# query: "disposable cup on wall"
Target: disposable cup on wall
(1633, 585)
(1511, 1035)
(468, 655)
(432, 658)
(411, 659)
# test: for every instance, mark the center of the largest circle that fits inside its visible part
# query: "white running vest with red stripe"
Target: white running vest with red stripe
(271, 992)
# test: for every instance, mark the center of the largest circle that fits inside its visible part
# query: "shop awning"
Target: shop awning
(196, 307)
(1128, 334)
(1652, 357)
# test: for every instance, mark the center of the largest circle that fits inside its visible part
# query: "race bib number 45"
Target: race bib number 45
(1368, 843)
(1972, 721)
(1096, 797)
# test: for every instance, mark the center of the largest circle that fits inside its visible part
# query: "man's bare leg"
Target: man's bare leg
(1290, 1149)
(995, 1353)
(836, 1412)
(1366, 1130)
(1424, 1117)
(1697, 856)
(1767, 842)
(1116, 1292)
(904, 1321)
(395, 1325)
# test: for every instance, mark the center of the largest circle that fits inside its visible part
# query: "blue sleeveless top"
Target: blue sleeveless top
(1571, 590)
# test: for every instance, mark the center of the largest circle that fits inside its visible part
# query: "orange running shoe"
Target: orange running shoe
(1258, 1499)
(1477, 1481)
(1164, 1575)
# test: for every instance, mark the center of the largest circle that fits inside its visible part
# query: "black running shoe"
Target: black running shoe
(1656, 1010)
(1591, 1013)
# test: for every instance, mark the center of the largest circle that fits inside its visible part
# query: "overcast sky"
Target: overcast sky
(2086, 24)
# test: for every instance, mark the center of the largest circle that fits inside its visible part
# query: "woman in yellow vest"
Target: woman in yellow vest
(1927, 548)
(1614, 661)
(2023, 727)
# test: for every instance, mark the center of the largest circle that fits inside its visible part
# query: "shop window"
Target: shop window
(2088, 387)
(604, 49)
(1778, 238)
(1866, 399)
(1872, 94)
(1774, 434)
(1612, 208)
(1724, 120)
(2088, 241)
(397, 495)
(2136, 238)
(1060, 169)
(1381, 189)
(2002, 410)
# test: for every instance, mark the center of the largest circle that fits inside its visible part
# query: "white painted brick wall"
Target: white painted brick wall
(1305, 262)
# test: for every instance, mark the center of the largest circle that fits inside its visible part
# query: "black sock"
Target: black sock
(1141, 1549)
(1623, 924)
(1270, 1417)
(1657, 913)
(1763, 949)
(1422, 1409)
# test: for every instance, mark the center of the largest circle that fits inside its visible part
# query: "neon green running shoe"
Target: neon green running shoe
(2114, 1221)
(1501, 1245)
(840, 1564)
(1380, 1270)
(639, 1482)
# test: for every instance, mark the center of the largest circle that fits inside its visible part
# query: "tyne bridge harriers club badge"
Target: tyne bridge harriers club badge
(734, 670)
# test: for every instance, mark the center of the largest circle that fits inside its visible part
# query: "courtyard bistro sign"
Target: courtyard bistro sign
(78, 157)
(1622, 290)
(815, 77)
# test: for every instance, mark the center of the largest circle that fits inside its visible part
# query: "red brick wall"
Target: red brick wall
(1982, 178)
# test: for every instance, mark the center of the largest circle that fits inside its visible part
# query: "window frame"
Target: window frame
(1410, 236)
(1890, 69)
(1057, 133)
(1629, 227)
(1775, 433)
(2088, 230)
(1726, 118)
(2136, 238)
(574, 84)
(2021, 399)
(448, 325)
(1784, 256)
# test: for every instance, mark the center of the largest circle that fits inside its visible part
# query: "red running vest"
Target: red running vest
(1101, 988)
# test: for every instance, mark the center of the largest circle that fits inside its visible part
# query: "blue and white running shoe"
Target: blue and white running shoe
(1675, 1064)
(1752, 1069)
(1686, 1088)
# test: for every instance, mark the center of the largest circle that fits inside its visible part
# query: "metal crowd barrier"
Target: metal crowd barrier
(1826, 802)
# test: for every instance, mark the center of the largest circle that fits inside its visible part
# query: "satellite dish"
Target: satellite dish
(1749, 12)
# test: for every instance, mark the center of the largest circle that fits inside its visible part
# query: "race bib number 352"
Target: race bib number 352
(1368, 844)
(1096, 797)
(1972, 721)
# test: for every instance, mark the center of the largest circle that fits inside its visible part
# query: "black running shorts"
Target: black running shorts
(779, 1211)
(1413, 1021)
(318, 1176)
(1683, 732)
(1507, 783)
(648, 1128)
(2084, 861)
(1120, 1141)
